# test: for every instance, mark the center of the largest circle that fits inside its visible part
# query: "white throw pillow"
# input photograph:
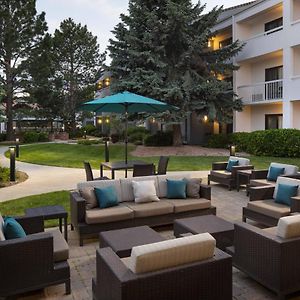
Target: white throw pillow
(144, 191)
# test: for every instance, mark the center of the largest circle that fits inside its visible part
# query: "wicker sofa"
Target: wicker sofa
(220, 175)
(36, 261)
(268, 258)
(128, 213)
(173, 269)
(262, 207)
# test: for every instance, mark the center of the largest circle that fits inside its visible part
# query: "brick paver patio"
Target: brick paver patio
(83, 267)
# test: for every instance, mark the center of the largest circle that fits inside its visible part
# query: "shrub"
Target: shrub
(159, 139)
(2, 137)
(218, 141)
(115, 137)
(88, 142)
(134, 130)
(274, 142)
(4, 174)
(89, 128)
(35, 137)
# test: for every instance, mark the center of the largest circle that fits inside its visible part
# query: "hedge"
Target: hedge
(35, 137)
(159, 139)
(274, 142)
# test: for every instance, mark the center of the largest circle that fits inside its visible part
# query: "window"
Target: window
(274, 24)
(225, 43)
(273, 121)
(274, 73)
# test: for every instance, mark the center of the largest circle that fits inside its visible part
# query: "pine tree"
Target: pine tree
(76, 61)
(160, 51)
(21, 30)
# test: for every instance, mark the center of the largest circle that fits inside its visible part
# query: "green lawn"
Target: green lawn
(16, 207)
(65, 155)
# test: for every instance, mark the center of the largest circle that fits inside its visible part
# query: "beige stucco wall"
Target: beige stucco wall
(242, 120)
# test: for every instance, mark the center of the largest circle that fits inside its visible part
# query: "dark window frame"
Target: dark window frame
(225, 42)
(274, 24)
(272, 115)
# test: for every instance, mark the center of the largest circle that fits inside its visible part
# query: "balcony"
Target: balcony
(264, 92)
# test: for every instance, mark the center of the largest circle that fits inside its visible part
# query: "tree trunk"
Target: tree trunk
(9, 110)
(177, 136)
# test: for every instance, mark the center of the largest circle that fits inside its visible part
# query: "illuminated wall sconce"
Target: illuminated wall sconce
(153, 120)
(100, 121)
(107, 82)
(205, 118)
(99, 85)
(107, 120)
(232, 150)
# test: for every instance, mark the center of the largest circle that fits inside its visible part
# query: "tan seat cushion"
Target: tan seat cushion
(269, 208)
(171, 253)
(261, 182)
(88, 194)
(181, 205)
(110, 214)
(271, 230)
(221, 173)
(150, 209)
(60, 246)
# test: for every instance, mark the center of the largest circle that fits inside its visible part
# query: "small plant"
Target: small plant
(88, 142)
(4, 174)
(159, 139)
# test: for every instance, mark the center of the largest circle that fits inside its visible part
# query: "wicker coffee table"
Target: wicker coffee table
(220, 229)
(122, 240)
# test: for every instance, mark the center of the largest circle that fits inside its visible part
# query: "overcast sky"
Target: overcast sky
(100, 16)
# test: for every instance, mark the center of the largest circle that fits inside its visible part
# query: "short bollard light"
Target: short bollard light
(12, 151)
(84, 134)
(232, 150)
(17, 147)
(106, 149)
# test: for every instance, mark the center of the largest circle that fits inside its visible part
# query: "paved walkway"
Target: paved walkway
(45, 179)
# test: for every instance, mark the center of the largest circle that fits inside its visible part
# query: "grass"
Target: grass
(64, 155)
(17, 207)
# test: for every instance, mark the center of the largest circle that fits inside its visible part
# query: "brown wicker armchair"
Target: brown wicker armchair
(143, 170)
(162, 165)
(262, 207)
(28, 264)
(220, 175)
(267, 258)
(89, 173)
(210, 279)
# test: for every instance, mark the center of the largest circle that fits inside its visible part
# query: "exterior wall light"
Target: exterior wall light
(100, 121)
(107, 82)
(107, 121)
(205, 118)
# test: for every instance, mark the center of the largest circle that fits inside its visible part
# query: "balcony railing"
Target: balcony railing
(261, 92)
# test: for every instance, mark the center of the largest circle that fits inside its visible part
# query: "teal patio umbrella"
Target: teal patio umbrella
(124, 103)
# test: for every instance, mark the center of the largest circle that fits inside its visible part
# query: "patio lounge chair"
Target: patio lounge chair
(220, 174)
(260, 177)
(192, 272)
(36, 261)
(262, 206)
(269, 256)
(162, 165)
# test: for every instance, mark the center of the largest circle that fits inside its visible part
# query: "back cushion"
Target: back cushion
(288, 169)
(171, 253)
(162, 183)
(242, 161)
(127, 189)
(102, 184)
(2, 237)
(289, 227)
(287, 181)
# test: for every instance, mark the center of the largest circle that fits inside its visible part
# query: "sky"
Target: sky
(100, 16)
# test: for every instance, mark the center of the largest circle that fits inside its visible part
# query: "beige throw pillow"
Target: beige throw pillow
(89, 196)
(193, 187)
(144, 191)
(2, 236)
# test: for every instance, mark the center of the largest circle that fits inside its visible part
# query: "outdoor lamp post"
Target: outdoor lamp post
(12, 151)
(106, 149)
(17, 147)
(232, 150)
(84, 134)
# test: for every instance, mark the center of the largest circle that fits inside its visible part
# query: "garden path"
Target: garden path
(45, 179)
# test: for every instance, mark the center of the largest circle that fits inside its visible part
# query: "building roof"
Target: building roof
(231, 11)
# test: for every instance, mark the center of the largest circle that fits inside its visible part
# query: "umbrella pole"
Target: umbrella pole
(126, 138)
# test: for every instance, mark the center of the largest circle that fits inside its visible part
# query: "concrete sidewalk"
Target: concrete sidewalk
(45, 179)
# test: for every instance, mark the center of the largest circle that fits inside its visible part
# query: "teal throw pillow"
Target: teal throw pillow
(106, 197)
(274, 172)
(285, 192)
(231, 163)
(176, 189)
(12, 229)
